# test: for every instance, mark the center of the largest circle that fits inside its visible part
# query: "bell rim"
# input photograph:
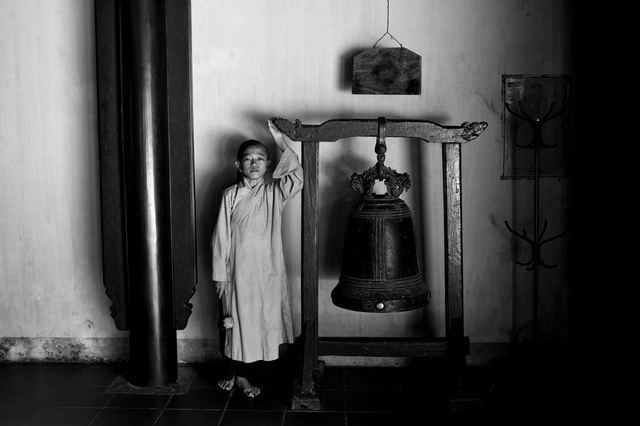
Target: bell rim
(389, 305)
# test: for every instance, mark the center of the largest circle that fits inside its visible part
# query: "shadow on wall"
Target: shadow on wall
(336, 200)
(223, 148)
(346, 68)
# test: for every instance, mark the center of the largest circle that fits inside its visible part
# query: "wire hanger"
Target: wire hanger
(387, 32)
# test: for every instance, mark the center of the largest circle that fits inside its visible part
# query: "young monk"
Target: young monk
(248, 261)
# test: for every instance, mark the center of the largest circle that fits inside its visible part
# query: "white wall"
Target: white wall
(254, 60)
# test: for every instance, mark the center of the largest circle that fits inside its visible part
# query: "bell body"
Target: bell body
(380, 270)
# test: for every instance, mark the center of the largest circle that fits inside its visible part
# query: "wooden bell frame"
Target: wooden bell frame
(455, 345)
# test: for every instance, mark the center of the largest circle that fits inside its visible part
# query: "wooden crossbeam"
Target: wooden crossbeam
(333, 130)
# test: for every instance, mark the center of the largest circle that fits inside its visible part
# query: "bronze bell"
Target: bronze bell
(380, 270)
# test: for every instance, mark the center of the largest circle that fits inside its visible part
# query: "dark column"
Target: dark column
(147, 189)
(152, 338)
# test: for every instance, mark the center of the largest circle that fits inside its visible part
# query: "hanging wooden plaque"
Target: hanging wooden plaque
(387, 71)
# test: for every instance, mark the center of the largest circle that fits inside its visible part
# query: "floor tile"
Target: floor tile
(29, 396)
(15, 416)
(245, 418)
(440, 419)
(269, 399)
(314, 418)
(380, 419)
(99, 375)
(207, 375)
(189, 418)
(25, 374)
(333, 378)
(375, 401)
(138, 401)
(81, 396)
(426, 401)
(62, 416)
(13, 373)
(126, 417)
(200, 398)
(332, 400)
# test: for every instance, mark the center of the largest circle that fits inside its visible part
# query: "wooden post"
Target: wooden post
(304, 394)
(310, 265)
(453, 262)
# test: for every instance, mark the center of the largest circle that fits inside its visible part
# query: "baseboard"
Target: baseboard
(116, 349)
(99, 350)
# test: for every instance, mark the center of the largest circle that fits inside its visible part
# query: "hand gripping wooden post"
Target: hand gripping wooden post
(454, 346)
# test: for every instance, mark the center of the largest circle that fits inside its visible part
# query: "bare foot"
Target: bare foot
(247, 388)
(226, 384)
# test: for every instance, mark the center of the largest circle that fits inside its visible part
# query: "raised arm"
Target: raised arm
(278, 136)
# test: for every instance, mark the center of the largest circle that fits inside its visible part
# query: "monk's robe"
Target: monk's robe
(247, 252)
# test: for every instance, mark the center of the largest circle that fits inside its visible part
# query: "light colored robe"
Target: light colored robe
(247, 251)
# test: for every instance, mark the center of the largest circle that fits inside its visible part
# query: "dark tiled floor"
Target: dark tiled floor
(72, 394)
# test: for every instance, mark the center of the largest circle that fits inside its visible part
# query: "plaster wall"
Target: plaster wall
(292, 59)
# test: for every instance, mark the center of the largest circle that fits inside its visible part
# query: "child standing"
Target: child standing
(248, 261)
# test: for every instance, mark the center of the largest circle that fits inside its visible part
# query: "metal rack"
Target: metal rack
(537, 240)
